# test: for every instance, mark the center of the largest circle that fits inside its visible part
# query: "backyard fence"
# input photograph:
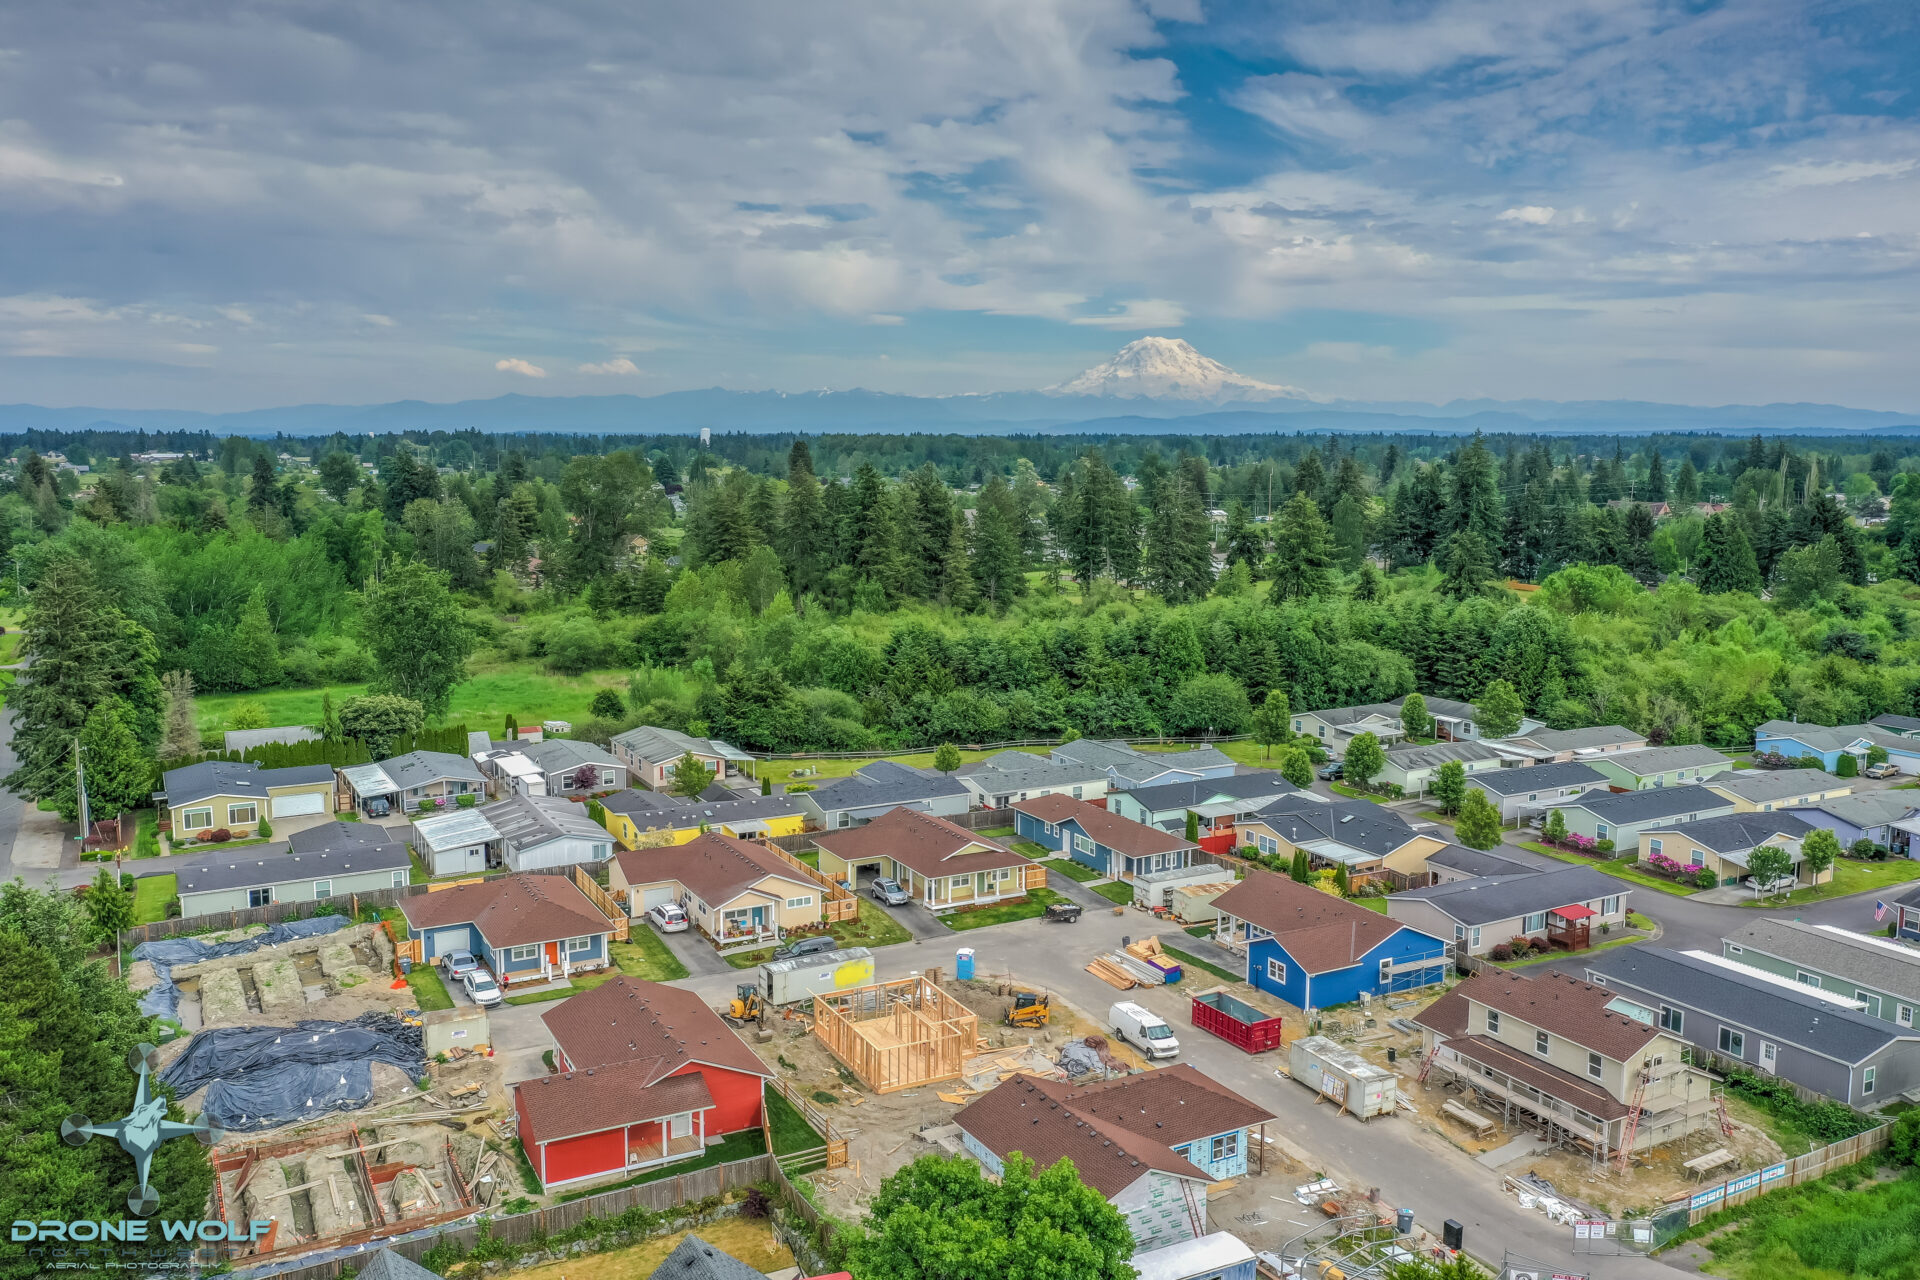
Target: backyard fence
(1787, 1173)
(1200, 740)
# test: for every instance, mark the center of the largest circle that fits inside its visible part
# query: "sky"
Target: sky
(226, 206)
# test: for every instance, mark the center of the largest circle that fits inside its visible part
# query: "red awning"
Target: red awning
(1574, 912)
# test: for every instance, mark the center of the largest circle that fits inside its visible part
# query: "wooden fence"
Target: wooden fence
(837, 902)
(615, 913)
(835, 1150)
(1787, 1173)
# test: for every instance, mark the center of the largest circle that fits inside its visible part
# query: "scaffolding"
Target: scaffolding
(897, 1035)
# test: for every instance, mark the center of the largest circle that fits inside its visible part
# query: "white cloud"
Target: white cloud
(617, 365)
(514, 364)
(883, 318)
(1141, 313)
(1534, 215)
(1830, 173)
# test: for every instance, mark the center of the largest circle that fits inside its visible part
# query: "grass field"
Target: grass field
(791, 1132)
(482, 702)
(781, 771)
(1371, 904)
(428, 990)
(1618, 870)
(874, 928)
(1071, 869)
(150, 897)
(1034, 904)
(1849, 877)
(1842, 1225)
(1115, 892)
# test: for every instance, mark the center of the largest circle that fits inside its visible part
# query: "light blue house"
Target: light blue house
(1097, 839)
(1829, 744)
(524, 928)
(1126, 766)
(1315, 950)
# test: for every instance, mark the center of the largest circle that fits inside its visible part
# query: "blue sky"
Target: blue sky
(222, 206)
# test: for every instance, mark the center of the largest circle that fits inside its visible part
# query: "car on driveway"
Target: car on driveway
(456, 965)
(890, 893)
(669, 917)
(1881, 770)
(1329, 772)
(481, 988)
(807, 947)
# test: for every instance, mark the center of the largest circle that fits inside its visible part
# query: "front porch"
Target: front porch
(1571, 927)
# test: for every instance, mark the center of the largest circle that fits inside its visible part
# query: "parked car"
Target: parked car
(669, 917)
(377, 807)
(1148, 1032)
(890, 893)
(1881, 770)
(1332, 770)
(807, 947)
(456, 965)
(481, 987)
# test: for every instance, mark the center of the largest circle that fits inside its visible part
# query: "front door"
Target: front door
(553, 955)
(1768, 1055)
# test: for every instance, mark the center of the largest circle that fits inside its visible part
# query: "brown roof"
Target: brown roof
(510, 911)
(1448, 1016)
(627, 1020)
(919, 840)
(1321, 932)
(1562, 1005)
(1123, 835)
(714, 867)
(588, 1101)
(1173, 1106)
(1039, 1119)
(1548, 1079)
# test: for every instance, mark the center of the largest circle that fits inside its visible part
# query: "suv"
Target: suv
(668, 917)
(481, 987)
(456, 965)
(890, 893)
(807, 947)
(1332, 770)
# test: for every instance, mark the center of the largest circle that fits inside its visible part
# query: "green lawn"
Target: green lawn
(1607, 943)
(1371, 904)
(1351, 793)
(1035, 903)
(481, 702)
(1845, 1224)
(874, 928)
(1071, 869)
(419, 874)
(782, 770)
(1618, 870)
(811, 857)
(997, 833)
(791, 1132)
(1116, 892)
(1849, 877)
(1192, 961)
(150, 897)
(642, 956)
(428, 990)
(1028, 849)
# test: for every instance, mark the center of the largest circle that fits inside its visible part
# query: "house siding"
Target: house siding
(217, 900)
(470, 857)
(562, 852)
(1157, 1213)
(857, 815)
(1339, 986)
(1429, 918)
(1881, 1004)
(177, 813)
(1031, 828)
(1232, 1164)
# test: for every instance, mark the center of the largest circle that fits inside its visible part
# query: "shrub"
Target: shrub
(1580, 844)
(219, 835)
(1863, 848)
(608, 704)
(1706, 879)
(1772, 760)
(1539, 944)
(1603, 847)
(1903, 1144)
(467, 801)
(1501, 951)
(1519, 944)
(1849, 767)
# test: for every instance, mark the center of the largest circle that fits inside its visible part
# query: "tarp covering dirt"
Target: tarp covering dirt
(265, 1077)
(163, 1000)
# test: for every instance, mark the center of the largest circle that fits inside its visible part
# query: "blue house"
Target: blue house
(1314, 950)
(525, 928)
(1829, 744)
(1906, 914)
(1097, 839)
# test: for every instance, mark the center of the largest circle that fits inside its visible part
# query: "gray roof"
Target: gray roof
(1486, 899)
(285, 735)
(1651, 805)
(318, 853)
(1337, 717)
(650, 742)
(1910, 899)
(478, 743)
(1763, 785)
(1875, 962)
(1836, 738)
(1185, 795)
(1022, 771)
(526, 821)
(1869, 809)
(1781, 1012)
(1140, 766)
(1438, 753)
(695, 1259)
(1476, 862)
(1541, 777)
(237, 778)
(1659, 759)
(1898, 724)
(1594, 736)
(388, 1265)
(733, 807)
(556, 754)
(419, 768)
(1304, 818)
(885, 782)
(1737, 832)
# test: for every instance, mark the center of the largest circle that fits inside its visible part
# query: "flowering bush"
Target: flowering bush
(1501, 951)
(1539, 944)
(1772, 760)
(1518, 945)
(1666, 866)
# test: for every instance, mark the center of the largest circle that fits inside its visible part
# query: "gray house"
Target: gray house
(333, 860)
(416, 780)
(1521, 793)
(1127, 766)
(1819, 1040)
(1008, 777)
(1885, 817)
(878, 788)
(546, 831)
(285, 735)
(1558, 746)
(1879, 972)
(1565, 906)
(1457, 862)
(575, 768)
(1167, 804)
(650, 754)
(459, 840)
(1620, 816)
(1412, 768)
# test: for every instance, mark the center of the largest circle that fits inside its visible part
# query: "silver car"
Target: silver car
(458, 964)
(890, 893)
(481, 988)
(668, 917)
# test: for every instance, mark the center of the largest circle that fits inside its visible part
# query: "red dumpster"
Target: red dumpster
(1236, 1022)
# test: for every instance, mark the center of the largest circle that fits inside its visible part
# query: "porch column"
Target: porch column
(700, 1124)
(666, 1127)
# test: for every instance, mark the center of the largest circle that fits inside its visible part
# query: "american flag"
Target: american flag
(1879, 912)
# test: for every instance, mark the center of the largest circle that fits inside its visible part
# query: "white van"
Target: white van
(1147, 1032)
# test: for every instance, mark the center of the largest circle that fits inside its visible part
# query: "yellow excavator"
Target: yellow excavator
(1030, 1009)
(748, 1005)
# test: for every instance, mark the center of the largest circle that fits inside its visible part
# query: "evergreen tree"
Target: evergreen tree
(799, 458)
(996, 545)
(1179, 560)
(1310, 478)
(1656, 489)
(929, 525)
(1242, 542)
(1350, 534)
(109, 906)
(957, 587)
(1368, 585)
(1468, 565)
(803, 528)
(1498, 710)
(1302, 869)
(255, 651)
(515, 519)
(182, 735)
(120, 772)
(260, 494)
(1302, 552)
(1476, 493)
(1424, 522)
(1726, 557)
(1636, 542)
(1686, 485)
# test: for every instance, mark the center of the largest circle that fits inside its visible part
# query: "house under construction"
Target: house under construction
(896, 1035)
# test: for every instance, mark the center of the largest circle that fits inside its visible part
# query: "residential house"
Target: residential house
(942, 865)
(1765, 790)
(1100, 839)
(651, 753)
(458, 841)
(1569, 1058)
(1009, 776)
(414, 781)
(523, 928)
(1887, 818)
(1560, 746)
(1661, 767)
(1796, 740)
(1905, 726)
(1127, 766)
(1336, 727)
(882, 787)
(1520, 794)
(1371, 841)
(285, 735)
(1724, 845)
(1457, 862)
(737, 893)
(236, 795)
(573, 768)
(638, 817)
(318, 864)
(695, 1259)
(544, 831)
(1883, 975)
(1735, 1013)
(1316, 950)
(647, 1075)
(1150, 1143)
(1219, 803)
(1621, 816)
(1412, 768)
(1567, 907)
(1906, 914)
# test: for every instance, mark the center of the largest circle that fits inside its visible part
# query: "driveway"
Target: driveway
(696, 953)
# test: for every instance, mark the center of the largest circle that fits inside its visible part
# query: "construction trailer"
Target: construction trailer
(462, 1027)
(897, 1035)
(1193, 903)
(808, 977)
(1150, 888)
(1341, 1075)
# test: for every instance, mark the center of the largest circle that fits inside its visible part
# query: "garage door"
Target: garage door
(656, 897)
(295, 806)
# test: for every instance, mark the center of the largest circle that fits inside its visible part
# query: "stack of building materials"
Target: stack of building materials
(1151, 889)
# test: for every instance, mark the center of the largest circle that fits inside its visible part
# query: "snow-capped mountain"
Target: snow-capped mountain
(1169, 369)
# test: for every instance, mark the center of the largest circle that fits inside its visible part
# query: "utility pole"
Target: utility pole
(80, 786)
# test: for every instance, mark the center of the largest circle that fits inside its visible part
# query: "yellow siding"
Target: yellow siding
(1410, 859)
(628, 833)
(221, 807)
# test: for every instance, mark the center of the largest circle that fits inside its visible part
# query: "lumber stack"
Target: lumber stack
(1112, 974)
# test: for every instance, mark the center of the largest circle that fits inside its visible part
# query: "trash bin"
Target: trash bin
(963, 963)
(406, 964)
(1403, 1221)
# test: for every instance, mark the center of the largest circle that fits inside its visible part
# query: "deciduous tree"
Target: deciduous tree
(1819, 850)
(946, 757)
(418, 636)
(381, 721)
(1272, 722)
(1478, 825)
(1769, 866)
(1364, 759)
(1449, 786)
(1414, 718)
(1498, 710)
(691, 776)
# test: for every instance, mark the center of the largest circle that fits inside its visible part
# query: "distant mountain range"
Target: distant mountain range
(1153, 386)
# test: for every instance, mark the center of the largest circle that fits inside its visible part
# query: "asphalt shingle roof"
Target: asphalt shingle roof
(930, 845)
(556, 754)
(1557, 1003)
(1871, 809)
(1135, 839)
(1304, 818)
(1876, 962)
(1897, 724)
(1139, 766)
(318, 853)
(1021, 771)
(695, 1259)
(1588, 739)
(718, 868)
(526, 821)
(885, 782)
(1650, 760)
(510, 911)
(1761, 785)
(663, 746)
(1735, 832)
(1486, 899)
(1438, 753)
(1038, 1118)
(1541, 777)
(1321, 932)
(212, 778)
(1168, 796)
(1835, 738)
(1654, 804)
(1475, 862)
(419, 768)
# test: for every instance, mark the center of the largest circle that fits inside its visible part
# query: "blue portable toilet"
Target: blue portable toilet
(963, 963)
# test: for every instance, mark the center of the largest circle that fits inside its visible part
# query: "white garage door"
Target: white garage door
(295, 806)
(657, 896)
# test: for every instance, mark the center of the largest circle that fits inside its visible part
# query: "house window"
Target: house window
(1459, 933)
(1277, 971)
(399, 879)
(1386, 972)
(1077, 791)
(260, 897)
(1542, 1043)
(846, 820)
(1600, 831)
(804, 900)
(600, 852)
(1476, 937)
(322, 889)
(196, 819)
(960, 881)
(1610, 906)
(1906, 1015)
(1766, 808)
(1736, 948)
(1296, 726)
(576, 945)
(1653, 846)
(1671, 1019)
(1866, 1079)
(1493, 1021)
(606, 779)
(1697, 858)
(1593, 1065)
(522, 953)
(1732, 1043)
(1227, 1146)
(1082, 844)
(1534, 923)
(241, 815)
(1806, 979)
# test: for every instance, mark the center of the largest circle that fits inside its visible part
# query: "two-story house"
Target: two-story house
(1317, 950)
(1883, 975)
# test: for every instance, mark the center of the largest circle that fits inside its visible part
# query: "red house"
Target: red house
(648, 1075)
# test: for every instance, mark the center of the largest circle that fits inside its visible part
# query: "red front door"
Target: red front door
(553, 954)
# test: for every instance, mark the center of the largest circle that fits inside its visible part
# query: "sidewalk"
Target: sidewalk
(44, 844)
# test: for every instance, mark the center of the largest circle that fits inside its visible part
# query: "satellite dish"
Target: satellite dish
(74, 1131)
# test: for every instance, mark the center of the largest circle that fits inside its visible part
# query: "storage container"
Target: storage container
(1193, 904)
(1342, 1076)
(1237, 1022)
(1150, 888)
(824, 972)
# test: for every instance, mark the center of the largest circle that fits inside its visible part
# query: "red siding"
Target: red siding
(736, 1098)
(588, 1155)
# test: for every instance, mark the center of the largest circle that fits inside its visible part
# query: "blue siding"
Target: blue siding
(445, 939)
(1340, 986)
(1031, 828)
(1101, 857)
(1787, 746)
(1232, 1163)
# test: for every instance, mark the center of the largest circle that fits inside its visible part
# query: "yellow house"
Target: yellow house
(634, 813)
(1766, 791)
(1725, 845)
(1369, 840)
(236, 795)
(738, 894)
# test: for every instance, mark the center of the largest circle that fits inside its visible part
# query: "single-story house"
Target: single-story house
(648, 1075)
(1660, 767)
(882, 787)
(236, 795)
(1620, 816)
(1882, 974)
(650, 754)
(545, 831)
(1521, 793)
(1566, 907)
(1368, 839)
(1906, 914)
(1412, 768)
(1127, 767)
(1765, 790)
(573, 768)
(1009, 776)
(1219, 802)
(1724, 845)
(523, 928)
(942, 865)
(414, 781)
(737, 893)
(1149, 1143)
(1558, 746)
(1457, 862)
(1887, 818)
(1791, 738)
(1905, 726)
(285, 735)
(1335, 727)
(634, 816)
(1099, 838)
(1316, 950)
(457, 841)
(333, 860)
(1736, 1013)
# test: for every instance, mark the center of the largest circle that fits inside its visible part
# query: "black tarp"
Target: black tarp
(264, 1077)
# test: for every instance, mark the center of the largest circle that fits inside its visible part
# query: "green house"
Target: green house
(1878, 972)
(1660, 767)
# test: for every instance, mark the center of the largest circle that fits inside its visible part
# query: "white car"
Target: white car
(481, 988)
(669, 917)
